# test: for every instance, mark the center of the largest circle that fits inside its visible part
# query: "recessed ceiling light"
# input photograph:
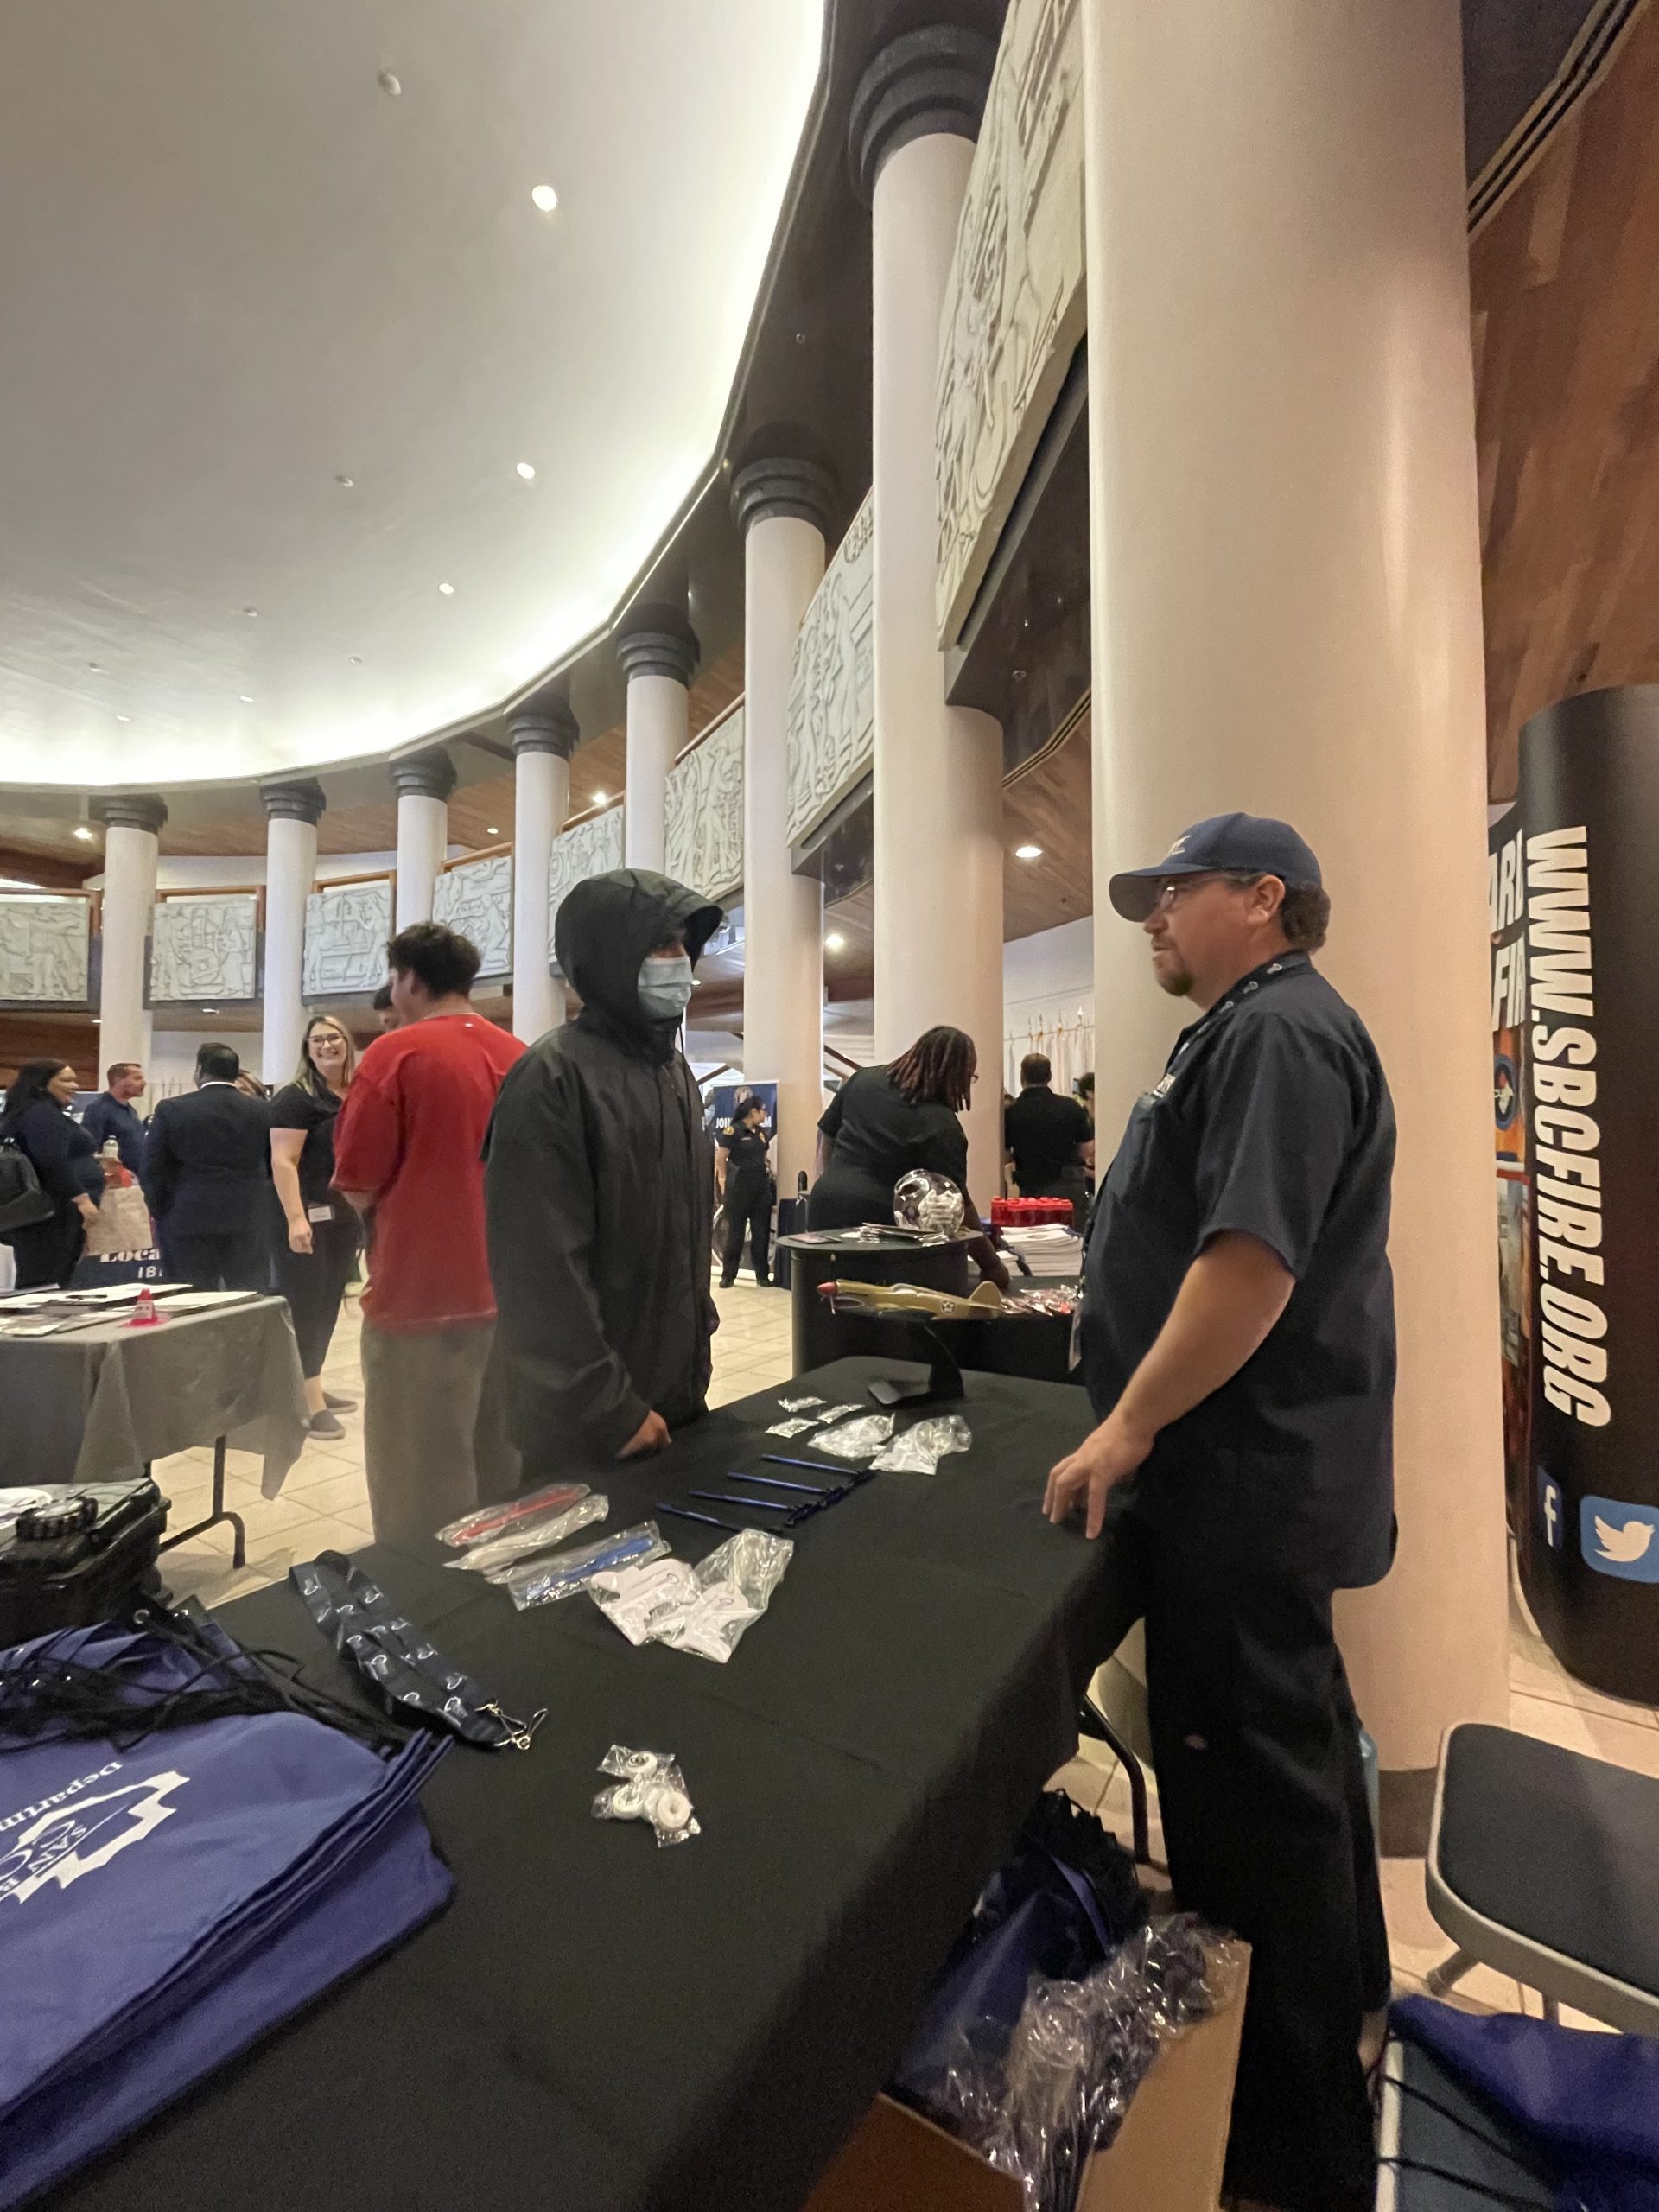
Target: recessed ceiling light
(526, 469)
(246, 697)
(389, 84)
(491, 830)
(96, 667)
(124, 718)
(345, 482)
(253, 614)
(449, 590)
(210, 1009)
(1028, 852)
(544, 197)
(83, 833)
(835, 941)
(356, 659)
(599, 799)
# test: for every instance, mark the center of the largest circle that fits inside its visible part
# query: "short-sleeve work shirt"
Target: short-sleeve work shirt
(1273, 1118)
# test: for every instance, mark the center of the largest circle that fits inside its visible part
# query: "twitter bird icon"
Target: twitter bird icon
(1619, 1538)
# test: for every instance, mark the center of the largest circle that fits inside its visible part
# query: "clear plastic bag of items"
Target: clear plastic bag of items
(799, 1405)
(796, 1426)
(544, 1581)
(1079, 2052)
(856, 1440)
(649, 1786)
(920, 1450)
(491, 1560)
(705, 1609)
(491, 1521)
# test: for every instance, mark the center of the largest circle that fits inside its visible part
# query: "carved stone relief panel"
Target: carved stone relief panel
(830, 732)
(204, 948)
(346, 926)
(43, 949)
(704, 817)
(1015, 309)
(593, 848)
(476, 898)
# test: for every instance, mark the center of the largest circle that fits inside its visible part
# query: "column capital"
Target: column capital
(928, 83)
(659, 644)
(300, 801)
(783, 486)
(422, 775)
(130, 810)
(552, 729)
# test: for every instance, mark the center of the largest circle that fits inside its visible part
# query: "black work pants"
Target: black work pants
(47, 1252)
(238, 1261)
(749, 1207)
(1267, 1833)
(314, 1283)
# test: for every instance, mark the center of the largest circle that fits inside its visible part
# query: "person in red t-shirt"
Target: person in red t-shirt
(408, 1144)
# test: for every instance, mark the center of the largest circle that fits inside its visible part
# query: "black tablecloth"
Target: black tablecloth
(598, 2024)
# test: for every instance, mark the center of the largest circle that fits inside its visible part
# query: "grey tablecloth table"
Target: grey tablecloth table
(99, 1404)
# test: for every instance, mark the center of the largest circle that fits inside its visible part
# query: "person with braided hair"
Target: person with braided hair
(885, 1121)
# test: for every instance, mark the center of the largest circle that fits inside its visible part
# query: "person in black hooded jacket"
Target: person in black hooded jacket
(598, 1187)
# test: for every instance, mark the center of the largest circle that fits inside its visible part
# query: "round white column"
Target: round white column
(781, 507)
(938, 769)
(542, 741)
(292, 812)
(1286, 573)
(423, 783)
(130, 832)
(659, 657)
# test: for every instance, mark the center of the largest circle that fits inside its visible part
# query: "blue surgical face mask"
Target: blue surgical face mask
(665, 985)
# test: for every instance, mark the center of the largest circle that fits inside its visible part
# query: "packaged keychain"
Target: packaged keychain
(492, 1559)
(856, 1440)
(650, 1787)
(496, 1520)
(544, 1581)
(920, 1450)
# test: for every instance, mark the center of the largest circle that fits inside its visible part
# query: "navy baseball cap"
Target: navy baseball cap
(1250, 844)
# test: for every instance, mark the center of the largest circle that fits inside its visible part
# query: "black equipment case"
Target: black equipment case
(76, 1554)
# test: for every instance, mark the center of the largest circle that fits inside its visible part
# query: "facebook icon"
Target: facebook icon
(1549, 1510)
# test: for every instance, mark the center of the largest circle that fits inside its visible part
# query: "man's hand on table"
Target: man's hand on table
(1108, 1456)
(651, 1435)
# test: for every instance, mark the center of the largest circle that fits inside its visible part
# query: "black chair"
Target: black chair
(1542, 1865)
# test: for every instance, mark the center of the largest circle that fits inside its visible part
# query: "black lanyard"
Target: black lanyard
(1271, 972)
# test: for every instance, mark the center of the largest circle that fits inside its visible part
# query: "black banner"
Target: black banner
(1581, 849)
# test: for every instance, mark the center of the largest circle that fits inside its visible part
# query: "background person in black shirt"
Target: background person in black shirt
(885, 1121)
(1238, 1343)
(66, 1162)
(747, 1190)
(1052, 1140)
(321, 1233)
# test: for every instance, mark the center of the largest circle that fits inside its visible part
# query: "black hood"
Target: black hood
(606, 926)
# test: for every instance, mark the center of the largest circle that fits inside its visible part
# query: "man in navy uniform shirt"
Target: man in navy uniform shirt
(112, 1113)
(1237, 1341)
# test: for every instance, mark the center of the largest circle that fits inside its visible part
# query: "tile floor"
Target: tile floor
(324, 1503)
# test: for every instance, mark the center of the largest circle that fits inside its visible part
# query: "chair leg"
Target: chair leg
(1447, 1975)
(1094, 1722)
(1552, 2009)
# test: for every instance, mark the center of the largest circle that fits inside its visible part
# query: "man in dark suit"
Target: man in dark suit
(206, 1176)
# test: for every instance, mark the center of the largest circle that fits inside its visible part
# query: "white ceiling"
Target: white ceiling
(233, 268)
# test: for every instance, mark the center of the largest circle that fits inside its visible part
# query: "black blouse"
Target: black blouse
(297, 1108)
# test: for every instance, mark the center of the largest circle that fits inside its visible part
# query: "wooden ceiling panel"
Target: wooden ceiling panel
(1566, 318)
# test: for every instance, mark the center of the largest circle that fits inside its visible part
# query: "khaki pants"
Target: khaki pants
(434, 1440)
